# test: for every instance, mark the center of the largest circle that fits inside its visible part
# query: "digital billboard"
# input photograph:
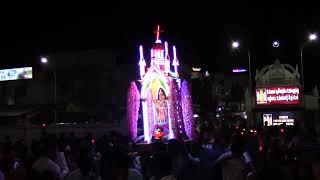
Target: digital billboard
(16, 73)
(278, 95)
(278, 118)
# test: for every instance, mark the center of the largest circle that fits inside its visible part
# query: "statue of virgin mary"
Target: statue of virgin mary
(161, 108)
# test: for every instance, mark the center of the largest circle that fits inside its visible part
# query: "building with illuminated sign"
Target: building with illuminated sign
(219, 96)
(74, 82)
(15, 74)
(278, 96)
(163, 98)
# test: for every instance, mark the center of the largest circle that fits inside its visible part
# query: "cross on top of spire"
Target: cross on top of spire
(158, 34)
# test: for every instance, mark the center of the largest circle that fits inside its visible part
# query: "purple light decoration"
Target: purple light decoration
(240, 70)
(172, 109)
(186, 102)
(150, 113)
(133, 105)
(176, 111)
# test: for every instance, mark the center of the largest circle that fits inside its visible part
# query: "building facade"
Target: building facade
(219, 96)
(79, 86)
(280, 99)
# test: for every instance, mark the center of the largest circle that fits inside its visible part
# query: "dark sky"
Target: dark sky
(202, 33)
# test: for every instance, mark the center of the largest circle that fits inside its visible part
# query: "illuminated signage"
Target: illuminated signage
(239, 70)
(196, 69)
(283, 119)
(16, 73)
(267, 119)
(277, 119)
(278, 95)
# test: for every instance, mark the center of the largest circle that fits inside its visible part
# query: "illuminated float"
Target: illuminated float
(161, 98)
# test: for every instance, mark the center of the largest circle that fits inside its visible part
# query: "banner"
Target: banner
(278, 118)
(16, 73)
(278, 95)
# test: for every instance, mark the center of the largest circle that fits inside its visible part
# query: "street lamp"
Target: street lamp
(312, 37)
(236, 45)
(275, 44)
(44, 60)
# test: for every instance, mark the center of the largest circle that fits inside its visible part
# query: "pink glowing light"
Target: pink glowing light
(186, 102)
(158, 35)
(176, 111)
(158, 32)
(239, 70)
(150, 116)
(133, 105)
(145, 122)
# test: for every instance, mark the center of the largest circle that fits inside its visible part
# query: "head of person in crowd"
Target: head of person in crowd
(205, 136)
(194, 147)
(173, 147)
(85, 162)
(157, 146)
(237, 145)
(49, 149)
(114, 165)
(160, 165)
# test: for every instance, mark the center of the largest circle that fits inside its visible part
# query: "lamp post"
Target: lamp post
(236, 45)
(312, 38)
(44, 60)
(275, 44)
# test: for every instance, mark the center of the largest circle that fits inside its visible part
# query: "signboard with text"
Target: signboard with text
(278, 95)
(278, 118)
(16, 73)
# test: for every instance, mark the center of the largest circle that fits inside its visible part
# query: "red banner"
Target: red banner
(278, 95)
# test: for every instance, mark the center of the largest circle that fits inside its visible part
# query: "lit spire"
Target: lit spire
(142, 62)
(158, 34)
(167, 58)
(175, 61)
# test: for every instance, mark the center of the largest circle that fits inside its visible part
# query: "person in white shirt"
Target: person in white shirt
(45, 163)
(62, 163)
(85, 170)
(234, 163)
(133, 172)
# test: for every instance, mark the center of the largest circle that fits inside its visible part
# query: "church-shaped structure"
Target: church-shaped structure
(163, 99)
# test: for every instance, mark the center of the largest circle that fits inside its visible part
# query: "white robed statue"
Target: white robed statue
(161, 108)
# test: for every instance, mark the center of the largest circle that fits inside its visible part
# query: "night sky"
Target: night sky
(202, 33)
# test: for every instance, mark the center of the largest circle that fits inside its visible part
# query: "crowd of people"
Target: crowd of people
(228, 153)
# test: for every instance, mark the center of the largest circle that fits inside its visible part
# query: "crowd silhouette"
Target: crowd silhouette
(224, 152)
